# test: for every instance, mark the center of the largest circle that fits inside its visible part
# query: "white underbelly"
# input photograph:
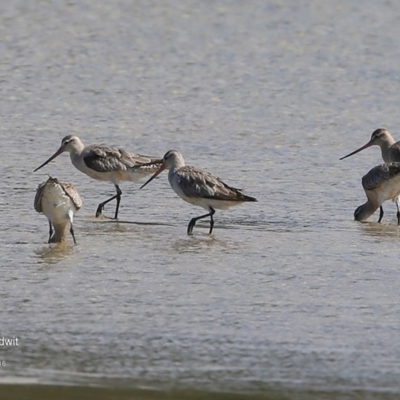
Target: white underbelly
(56, 205)
(216, 204)
(389, 190)
(204, 202)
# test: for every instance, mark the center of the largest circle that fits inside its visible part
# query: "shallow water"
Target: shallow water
(289, 298)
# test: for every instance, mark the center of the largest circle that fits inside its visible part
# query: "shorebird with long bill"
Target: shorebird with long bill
(389, 148)
(104, 163)
(382, 138)
(59, 202)
(199, 188)
(381, 183)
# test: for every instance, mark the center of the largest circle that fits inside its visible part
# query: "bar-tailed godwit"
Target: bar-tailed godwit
(381, 183)
(106, 164)
(59, 202)
(199, 188)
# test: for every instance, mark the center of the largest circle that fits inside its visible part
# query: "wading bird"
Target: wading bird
(381, 183)
(199, 188)
(106, 164)
(59, 202)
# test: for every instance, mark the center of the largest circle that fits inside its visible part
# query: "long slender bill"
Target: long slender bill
(158, 172)
(369, 144)
(57, 153)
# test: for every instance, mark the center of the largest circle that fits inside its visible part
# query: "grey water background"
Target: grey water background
(289, 298)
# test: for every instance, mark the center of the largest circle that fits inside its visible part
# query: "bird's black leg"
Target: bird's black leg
(72, 233)
(380, 214)
(211, 220)
(117, 196)
(119, 192)
(193, 221)
(398, 211)
(50, 232)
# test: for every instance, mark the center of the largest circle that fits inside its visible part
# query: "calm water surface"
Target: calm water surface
(289, 298)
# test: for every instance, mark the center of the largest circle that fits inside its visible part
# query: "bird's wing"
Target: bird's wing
(146, 163)
(72, 193)
(108, 159)
(377, 175)
(105, 159)
(198, 183)
(141, 159)
(38, 197)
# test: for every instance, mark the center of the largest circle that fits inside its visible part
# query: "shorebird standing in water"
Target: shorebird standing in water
(59, 202)
(382, 138)
(199, 188)
(106, 164)
(390, 153)
(381, 183)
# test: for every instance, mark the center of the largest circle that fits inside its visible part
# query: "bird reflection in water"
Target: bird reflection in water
(54, 253)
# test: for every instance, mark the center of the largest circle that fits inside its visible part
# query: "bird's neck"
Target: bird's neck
(60, 233)
(385, 146)
(368, 209)
(178, 163)
(389, 139)
(385, 153)
(76, 151)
